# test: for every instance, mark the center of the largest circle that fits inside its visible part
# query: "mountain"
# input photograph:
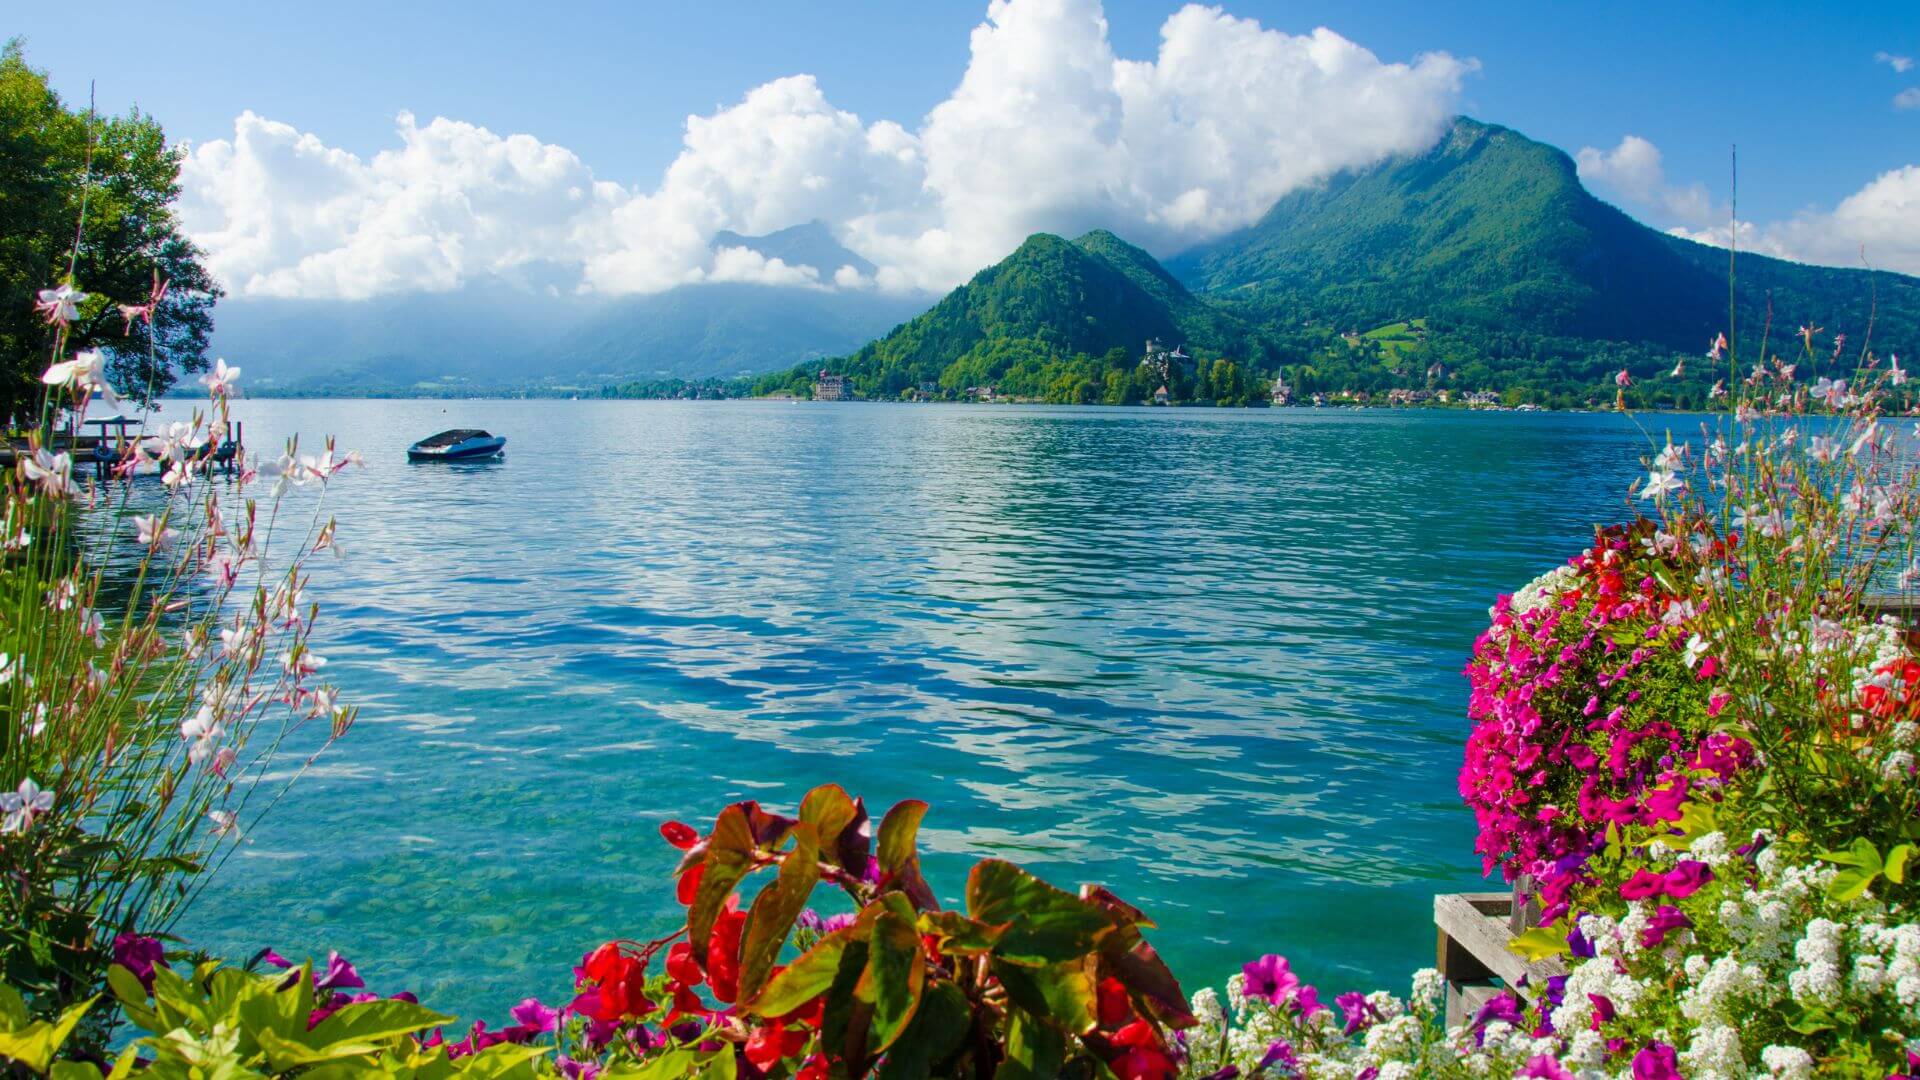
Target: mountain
(508, 336)
(1042, 314)
(811, 244)
(1489, 231)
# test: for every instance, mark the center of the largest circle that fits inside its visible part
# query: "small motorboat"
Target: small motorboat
(460, 444)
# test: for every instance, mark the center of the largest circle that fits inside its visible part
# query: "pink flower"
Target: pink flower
(1544, 1067)
(1686, 878)
(1269, 978)
(1656, 1061)
(1623, 379)
(1667, 919)
(1642, 884)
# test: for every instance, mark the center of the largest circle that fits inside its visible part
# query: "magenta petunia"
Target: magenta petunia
(139, 955)
(1664, 921)
(339, 975)
(1268, 978)
(1656, 1061)
(1686, 878)
(1642, 884)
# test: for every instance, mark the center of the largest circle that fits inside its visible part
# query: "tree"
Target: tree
(54, 161)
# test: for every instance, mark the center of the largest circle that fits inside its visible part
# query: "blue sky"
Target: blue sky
(1798, 89)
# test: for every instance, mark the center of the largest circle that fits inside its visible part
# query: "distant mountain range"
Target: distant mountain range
(503, 336)
(1517, 275)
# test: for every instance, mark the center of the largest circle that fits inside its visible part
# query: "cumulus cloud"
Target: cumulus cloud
(1880, 223)
(1633, 172)
(1900, 64)
(1908, 98)
(1047, 130)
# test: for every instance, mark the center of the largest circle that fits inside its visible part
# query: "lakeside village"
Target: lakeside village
(1176, 369)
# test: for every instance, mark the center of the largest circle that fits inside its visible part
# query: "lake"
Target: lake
(1210, 659)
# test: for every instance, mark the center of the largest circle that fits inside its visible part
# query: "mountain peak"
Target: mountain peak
(810, 243)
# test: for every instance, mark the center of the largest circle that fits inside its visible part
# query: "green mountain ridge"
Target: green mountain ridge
(1521, 280)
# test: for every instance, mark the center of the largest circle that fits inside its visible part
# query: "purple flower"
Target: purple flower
(1543, 1067)
(1281, 1054)
(1502, 1006)
(1307, 1000)
(1603, 1012)
(531, 1014)
(1663, 921)
(339, 975)
(1360, 1013)
(271, 959)
(1578, 943)
(576, 1070)
(1269, 978)
(138, 955)
(1656, 1061)
(1686, 878)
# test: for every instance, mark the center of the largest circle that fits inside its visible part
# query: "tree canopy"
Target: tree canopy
(57, 163)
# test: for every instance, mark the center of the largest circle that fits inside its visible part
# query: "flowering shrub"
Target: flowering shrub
(152, 661)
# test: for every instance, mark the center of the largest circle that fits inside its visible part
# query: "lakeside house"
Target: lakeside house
(831, 387)
(1282, 393)
(1160, 396)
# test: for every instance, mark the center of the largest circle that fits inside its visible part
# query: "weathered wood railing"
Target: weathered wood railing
(1477, 928)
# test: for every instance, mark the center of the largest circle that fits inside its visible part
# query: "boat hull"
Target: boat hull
(470, 450)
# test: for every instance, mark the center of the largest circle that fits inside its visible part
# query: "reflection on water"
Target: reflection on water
(1209, 658)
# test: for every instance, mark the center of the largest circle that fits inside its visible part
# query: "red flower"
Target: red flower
(679, 835)
(816, 1069)
(769, 1045)
(680, 965)
(689, 884)
(1114, 1006)
(723, 952)
(619, 986)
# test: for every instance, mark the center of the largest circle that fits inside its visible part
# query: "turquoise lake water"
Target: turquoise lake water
(1210, 659)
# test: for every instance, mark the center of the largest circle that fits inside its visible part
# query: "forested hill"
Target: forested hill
(1490, 231)
(1051, 320)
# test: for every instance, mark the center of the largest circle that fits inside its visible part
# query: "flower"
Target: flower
(1656, 1061)
(1623, 379)
(139, 955)
(339, 975)
(1663, 921)
(22, 805)
(60, 303)
(221, 379)
(151, 531)
(1685, 878)
(1269, 978)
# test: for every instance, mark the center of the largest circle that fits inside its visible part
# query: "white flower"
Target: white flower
(152, 532)
(59, 304)
(1660, 484)
(224, 821)
(1787, 1062)
(1697, 648)
(53, 472)
(221, 379)
(1823, 449)
(22, 805)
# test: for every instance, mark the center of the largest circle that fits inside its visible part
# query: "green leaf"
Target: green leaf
(1860, 853)
(805, 978)
(74, 1070)
(1062, 994)
(1540, 943)
(899, 832)
(829, 809)
(1811, 1021)
(36, 1044)
(959, 935)
(771, 918)
(1850, 884)
(1896, 868)
(286, 1055)
(13, 1008)
(126, 986)
(936, 1032)
(372, 1022)
(1141, 970)
(894, 979)
(1034, 1050)
(1044, 924)
(729, 857)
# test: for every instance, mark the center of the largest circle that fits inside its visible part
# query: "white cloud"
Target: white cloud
(1048, 130)
(1900, 64)
(1633, 172)
(1908, 98)
(1880, 223)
